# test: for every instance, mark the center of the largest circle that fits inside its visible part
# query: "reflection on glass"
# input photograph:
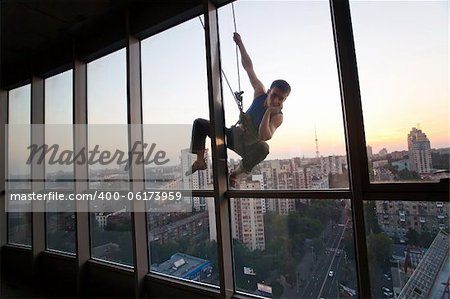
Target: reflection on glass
(58, 129)
(111, 234)
(175, 91)
(405, 112)
(184, 245)
(19, 119)
(297, 173)
(308, 150)
(19, 226)
(110, 221)
(167, 158)
(107, 130)
(407, 245)
(60, 226)
(19, 173)
(293, 248)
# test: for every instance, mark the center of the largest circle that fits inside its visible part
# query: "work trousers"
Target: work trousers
(241, 140)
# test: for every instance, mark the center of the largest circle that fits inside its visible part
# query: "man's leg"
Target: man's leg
(254, 154)
(251, 150)
(200, 129)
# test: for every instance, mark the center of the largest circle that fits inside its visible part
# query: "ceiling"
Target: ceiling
(41, 37)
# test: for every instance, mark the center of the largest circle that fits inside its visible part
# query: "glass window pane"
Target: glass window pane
(19, 173)
(175, 92)
(308, 150)
(293, 248)
(59, 129)
(19, 225)
(60, 226)
(107, 119)
(107, 133)
(184, 245)
(407, 245)
(111, 236)
(402, 53)
(19, 119)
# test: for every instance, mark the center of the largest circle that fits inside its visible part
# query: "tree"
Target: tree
(413, 237)
(440, 161)
(349, 247)
(277, 289)
(243, 257)
(371, 218)
(405, 174)
(324, 210)
(426, 238)
(379, 250)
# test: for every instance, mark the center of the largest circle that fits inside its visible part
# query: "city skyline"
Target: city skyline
(309, 221)
(17, 158)
(306, 61)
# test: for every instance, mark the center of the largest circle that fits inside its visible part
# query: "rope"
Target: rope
(238, 94)
(237, 50)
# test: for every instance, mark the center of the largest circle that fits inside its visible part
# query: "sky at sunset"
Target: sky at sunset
(401, 50)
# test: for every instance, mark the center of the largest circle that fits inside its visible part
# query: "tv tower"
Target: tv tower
(317, 142)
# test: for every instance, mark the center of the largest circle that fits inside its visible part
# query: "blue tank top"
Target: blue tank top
(257, 109)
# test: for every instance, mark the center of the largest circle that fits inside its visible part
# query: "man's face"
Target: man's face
(276, 97)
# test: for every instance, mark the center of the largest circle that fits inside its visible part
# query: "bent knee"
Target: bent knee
(201, 123)
(198, 121)
(263, 148)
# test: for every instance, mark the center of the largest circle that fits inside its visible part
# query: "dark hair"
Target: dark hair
(281, 84)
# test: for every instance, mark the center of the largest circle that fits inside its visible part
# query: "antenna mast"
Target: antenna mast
(317, 142)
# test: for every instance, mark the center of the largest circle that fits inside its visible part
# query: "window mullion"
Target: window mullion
(80, 170)
(217, 118)
(3, 122)
(354, 131)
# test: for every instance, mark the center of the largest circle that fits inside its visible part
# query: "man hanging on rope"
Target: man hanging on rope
(256, 125)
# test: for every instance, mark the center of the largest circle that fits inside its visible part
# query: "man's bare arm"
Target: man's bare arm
(247, 63)
(269, 123)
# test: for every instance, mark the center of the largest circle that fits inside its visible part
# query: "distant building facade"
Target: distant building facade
(419, 149)
(397, 217)
(247, 219)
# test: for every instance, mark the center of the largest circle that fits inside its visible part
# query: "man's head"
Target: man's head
(278, 92)
(282, 85)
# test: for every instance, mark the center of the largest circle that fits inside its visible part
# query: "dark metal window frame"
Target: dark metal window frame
(360, 187)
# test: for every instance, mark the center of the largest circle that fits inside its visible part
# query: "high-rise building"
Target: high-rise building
(419, 151)
(369, 152)
(282, 206)
(247, 224)
(397, 217)
(196, 181)
(333, 164)
(260, 178)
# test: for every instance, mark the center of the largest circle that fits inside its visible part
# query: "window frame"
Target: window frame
(360, 189)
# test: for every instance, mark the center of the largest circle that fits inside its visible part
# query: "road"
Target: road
(313, 280)
(330, 259)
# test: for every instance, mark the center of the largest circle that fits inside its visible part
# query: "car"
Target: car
(331, 273)
(388, 294)
(386, 289)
